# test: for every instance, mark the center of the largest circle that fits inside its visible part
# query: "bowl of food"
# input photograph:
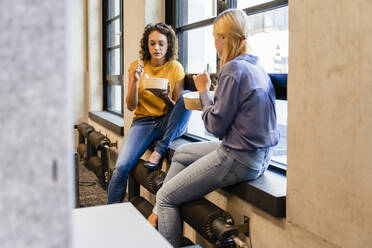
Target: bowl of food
(192, 101)
(155, 83)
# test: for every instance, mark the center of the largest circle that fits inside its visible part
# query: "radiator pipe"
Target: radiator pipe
(84, 130)
(209, 220)
(152, 180)
(96, 139)
(213, 223)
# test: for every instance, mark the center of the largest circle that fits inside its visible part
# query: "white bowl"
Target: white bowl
(155, 83)
(192, 101)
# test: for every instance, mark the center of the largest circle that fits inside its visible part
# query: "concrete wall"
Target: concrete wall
(329, 120)
(79, 63)
(95, 69)
(35, 117)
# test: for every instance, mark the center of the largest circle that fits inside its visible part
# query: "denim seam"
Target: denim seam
(229, 171)
(179, 187)
(165, 225)
(175, 160)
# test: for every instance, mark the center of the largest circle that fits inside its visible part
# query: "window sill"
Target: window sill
(110, 121)
(267, 192)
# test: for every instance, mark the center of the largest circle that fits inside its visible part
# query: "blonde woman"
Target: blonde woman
(242, 115)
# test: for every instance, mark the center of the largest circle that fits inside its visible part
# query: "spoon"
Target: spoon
(139, 61)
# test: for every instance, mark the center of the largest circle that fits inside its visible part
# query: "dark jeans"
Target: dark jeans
(143, 131)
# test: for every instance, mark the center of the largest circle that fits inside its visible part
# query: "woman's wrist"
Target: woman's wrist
(202, 89)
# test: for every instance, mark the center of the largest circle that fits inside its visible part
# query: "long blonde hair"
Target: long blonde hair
(233, 23)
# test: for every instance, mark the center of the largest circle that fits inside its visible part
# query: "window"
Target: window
(113, 56)
(202, 54)
(268, 39)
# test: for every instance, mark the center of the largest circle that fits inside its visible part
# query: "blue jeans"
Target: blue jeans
(198, 169)
(143, 131)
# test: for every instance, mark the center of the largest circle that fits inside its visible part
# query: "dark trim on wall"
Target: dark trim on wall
(104, 59)
(194, 25)
(122, 54)
(170, 13)
(266, 7)
(268, 192)
(114, 79)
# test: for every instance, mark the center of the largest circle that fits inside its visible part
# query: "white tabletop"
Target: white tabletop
(111, 226)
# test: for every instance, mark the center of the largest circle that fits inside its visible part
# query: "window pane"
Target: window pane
(113, 61)
(196, 126)
(280, 151)
(113, 33)
(200, 50)
(196, 10)
(114, 98)
(268, 38)
(113, 8)
(242, 4)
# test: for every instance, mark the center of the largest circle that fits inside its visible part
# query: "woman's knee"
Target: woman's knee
(184, 92)
(180, 97)
(165, 197)
(184, 150)
(179, 155)
(121, 170)
(161, 197)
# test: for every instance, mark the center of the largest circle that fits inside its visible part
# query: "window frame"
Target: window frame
(173, 11)
(111, 80)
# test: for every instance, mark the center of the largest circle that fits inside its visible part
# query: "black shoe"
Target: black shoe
(153, 166)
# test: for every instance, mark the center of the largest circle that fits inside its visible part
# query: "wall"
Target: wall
(134, 22)
(79, 64)
(95, 55)
(329, 120)
(35, 117)
(329, 115)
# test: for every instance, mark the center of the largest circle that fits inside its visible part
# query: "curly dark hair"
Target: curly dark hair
(172, 52)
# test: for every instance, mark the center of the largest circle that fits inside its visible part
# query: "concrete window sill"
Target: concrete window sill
(110, 121)
(267, 192)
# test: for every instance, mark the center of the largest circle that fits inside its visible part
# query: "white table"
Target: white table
(111, 226)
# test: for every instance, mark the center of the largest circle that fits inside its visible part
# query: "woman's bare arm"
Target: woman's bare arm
(133, 80)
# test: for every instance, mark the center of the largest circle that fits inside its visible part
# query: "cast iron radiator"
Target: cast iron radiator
(213, 223)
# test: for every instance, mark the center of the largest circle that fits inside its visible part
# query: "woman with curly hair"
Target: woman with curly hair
(158, 114)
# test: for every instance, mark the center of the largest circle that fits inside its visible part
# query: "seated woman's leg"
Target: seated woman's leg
(186, 155)
(215, 170)
(175, 125)
(134, 145)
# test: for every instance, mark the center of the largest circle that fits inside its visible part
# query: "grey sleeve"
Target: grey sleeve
(218, 116)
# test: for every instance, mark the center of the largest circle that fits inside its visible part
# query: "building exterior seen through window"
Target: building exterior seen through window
(268, 39)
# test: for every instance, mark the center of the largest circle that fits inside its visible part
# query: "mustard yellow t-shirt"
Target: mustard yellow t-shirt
(148, 103)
